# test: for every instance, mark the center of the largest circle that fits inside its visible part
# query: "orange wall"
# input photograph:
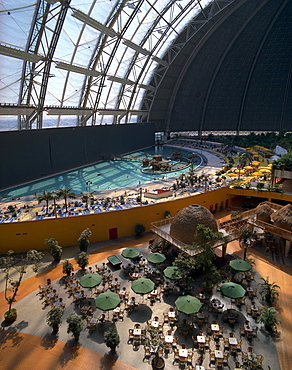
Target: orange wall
(22, 236)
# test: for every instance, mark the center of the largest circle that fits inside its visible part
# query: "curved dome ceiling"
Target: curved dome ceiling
(86, 63)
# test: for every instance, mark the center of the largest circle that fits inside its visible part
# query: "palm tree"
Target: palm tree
(65, 193)
(269, 291)
(241, 161)
(85, 197)
(55, 197)
(45, 196)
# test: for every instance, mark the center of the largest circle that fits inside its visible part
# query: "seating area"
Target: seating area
(217, 336)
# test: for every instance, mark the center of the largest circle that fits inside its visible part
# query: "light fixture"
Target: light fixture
(16, 110)
(76, 69)
(147, 87)
(63, 111)
(93, 23)
(111, 112)
(160, 61)
(19, 54)
(123, 81)
(136, 47)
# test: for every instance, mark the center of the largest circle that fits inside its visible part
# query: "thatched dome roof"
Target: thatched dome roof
(185, 222)
(283, 215)
(263, 209)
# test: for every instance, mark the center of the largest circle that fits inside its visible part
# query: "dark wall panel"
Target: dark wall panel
(29, 155)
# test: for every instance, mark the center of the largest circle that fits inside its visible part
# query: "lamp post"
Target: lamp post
(88, 183)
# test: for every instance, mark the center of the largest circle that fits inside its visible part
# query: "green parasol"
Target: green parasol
(90, 280)
(130, 253)
(107, 301)
(156, 257)
(188, 304)
(232, 290)
(142, 286)
(171, 272)
(240, 265)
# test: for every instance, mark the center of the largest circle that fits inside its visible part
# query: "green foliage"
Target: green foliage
(67, 267)
(234, 214)
(260, 186)
(83, 240)
(65, 194)
(167, 214)
(82, 259)
(14, 270)
(268, 318)
(269, 291)
(186, 266)
(75, 325)
(139, 229)
(283, 163)
(54, 317)
(54, 249)
(111, 338)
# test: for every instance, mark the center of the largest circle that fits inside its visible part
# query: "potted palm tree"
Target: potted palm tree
(54, 318)
(14, 270)
(67, 267)
(83, 240)
(269, 291)
(139, 229)
(268, 318)
(153, 339)
(111, 338)
(55, 249)
(75, 325)
(82, 259)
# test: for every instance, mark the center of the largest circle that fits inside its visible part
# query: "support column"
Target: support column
(224, 249)
(287, 247)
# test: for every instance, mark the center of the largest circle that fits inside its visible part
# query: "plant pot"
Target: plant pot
(10, 318)
(158, 363)
(208, 288)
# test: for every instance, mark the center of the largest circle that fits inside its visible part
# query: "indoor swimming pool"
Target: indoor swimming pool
(102, 176)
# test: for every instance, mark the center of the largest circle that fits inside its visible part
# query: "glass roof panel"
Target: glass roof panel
(151, 24)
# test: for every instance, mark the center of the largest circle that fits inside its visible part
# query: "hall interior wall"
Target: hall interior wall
(32, 154)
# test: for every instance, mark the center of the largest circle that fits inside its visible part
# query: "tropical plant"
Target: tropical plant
(167, 214)
(55, 249)
(246, 237)
(234, 214)
(82, 259)
(83, 240)
(111, 338)
(67, 267)
(14, 271)
(46, 196)
(186, 266)
(139, 229)
(55, 197)
(85, 197)
(268, 318)
(54, 318)
(65, 194)
(205, 238)
(75, 325)
(269, 291)
(260, 186)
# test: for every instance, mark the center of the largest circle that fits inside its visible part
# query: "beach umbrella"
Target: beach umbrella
(130, 253)
(90, 280)
(171, 272)
(258, 174)
(188, 304)
(240, 265)
(156, 257)
(231, 174)
(232, 290)
(248, 168)
(270, 165)
(265, 170)
(239, 171)
(142, 286)
(107, 301)
(255, 163)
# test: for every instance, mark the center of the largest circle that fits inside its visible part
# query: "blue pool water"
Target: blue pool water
(101, 176)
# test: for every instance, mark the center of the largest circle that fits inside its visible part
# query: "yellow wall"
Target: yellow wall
(22, 236)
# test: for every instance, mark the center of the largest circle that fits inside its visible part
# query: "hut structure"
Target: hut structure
(263, 212)
(185, 222)
(283, 217)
